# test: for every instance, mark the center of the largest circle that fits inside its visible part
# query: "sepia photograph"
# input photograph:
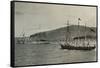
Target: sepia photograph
(49, 33)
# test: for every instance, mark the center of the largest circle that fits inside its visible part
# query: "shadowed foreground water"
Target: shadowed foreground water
(35, 54)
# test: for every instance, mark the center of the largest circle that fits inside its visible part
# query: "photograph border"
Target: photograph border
(12, 32)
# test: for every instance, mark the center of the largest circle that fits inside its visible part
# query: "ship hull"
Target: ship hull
(77, 47)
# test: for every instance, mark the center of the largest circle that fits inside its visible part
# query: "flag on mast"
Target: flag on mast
(79, 19)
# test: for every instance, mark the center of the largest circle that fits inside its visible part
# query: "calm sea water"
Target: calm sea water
(36, 54)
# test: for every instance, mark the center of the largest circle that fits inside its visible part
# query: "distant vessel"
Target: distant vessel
(21, 40)
(69, 46)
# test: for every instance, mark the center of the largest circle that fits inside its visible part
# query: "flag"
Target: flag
(79, 19)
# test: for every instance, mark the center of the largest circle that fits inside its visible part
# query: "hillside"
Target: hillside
(59, 34)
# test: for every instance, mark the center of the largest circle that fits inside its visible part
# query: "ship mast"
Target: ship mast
(23, 38)
(78, 28)
(67, 31)
(86, 37)
(85, 32)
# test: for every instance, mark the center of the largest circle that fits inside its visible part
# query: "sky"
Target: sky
(31, 18)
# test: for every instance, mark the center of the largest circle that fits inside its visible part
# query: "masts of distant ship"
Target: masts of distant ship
(23, 38)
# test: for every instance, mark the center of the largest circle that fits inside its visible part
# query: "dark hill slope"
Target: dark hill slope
(69, 31)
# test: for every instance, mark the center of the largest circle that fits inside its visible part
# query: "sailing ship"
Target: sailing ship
(21, 40)
(69, 46)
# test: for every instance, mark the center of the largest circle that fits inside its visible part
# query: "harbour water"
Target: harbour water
(37, 54)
